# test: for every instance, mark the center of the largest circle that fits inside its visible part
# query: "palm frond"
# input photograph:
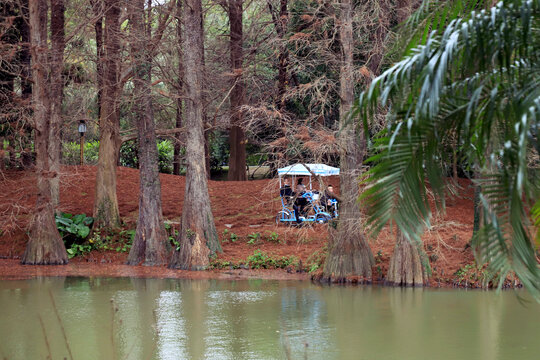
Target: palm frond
(535, 212)
(477, 79)
(433, 16)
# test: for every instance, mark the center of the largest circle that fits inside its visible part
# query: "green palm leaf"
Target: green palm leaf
(478, 80)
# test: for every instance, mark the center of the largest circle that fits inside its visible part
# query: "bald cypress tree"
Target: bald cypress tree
(198, 236)
(45, 246)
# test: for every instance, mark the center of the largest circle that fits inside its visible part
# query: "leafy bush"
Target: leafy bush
(75, 226)
(119, 241)
(273, 237)
(260, 260)
(219, 151)
(74, 229)
(232, 236)
(78, 249)
(255, 155)
(71, 152)
(173, 236)
(253, 238)
(125, 240)
(165, 156)
(129, 156)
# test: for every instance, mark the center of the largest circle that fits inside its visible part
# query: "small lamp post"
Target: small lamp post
(82, 130)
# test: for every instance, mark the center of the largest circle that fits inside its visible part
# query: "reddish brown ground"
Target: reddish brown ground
(247, 207)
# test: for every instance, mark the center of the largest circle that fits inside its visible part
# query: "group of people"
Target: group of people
(299, 200)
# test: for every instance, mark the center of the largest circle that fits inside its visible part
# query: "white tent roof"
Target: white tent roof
(300, 169)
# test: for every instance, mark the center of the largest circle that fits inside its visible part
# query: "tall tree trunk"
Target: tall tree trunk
(177, 157)
(283, 55)
(349, 254)
(45, 246)
(97, 8)
(237, 143)
(280, 24)
(198, 236)
(406, 267)
(205, 108)
(150, 237)
(24, 52)
(378, 37)
(106, 213)
(179, 102)
(57, 90)
(8, 39)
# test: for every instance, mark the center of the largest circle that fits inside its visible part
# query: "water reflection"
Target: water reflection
(208, 319)
(170, 327)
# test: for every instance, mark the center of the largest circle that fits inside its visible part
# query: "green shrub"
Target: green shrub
(255, 155)
(74, 229)
(129, 156)
(71, 152)
(273, 237)
(253, 238)
(260, 260)
(75, 226)
(78, 250)
(219, 151)
(165, 156)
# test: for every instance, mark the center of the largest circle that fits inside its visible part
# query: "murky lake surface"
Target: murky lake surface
(254, 319)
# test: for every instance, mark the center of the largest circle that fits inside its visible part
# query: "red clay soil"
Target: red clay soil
(242, 208)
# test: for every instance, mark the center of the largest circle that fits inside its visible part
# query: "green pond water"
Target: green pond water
(208, 319)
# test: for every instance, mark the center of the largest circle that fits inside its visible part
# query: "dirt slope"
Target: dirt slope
(242, 208)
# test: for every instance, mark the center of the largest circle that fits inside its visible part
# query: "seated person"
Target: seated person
(327, 197)
(286, 191)
(287, 194)
(300, 202)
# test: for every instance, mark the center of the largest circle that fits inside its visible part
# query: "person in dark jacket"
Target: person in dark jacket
(300, 202)
(327, 197)
(289, 198)
(286, 191)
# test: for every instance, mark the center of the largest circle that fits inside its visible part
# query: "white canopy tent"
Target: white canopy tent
(302, 170)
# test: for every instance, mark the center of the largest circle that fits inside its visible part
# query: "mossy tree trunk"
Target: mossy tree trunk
(198, 236)
(106, 213)
(45, 246)
(406, 266)
(149, 244)
(349, 253)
